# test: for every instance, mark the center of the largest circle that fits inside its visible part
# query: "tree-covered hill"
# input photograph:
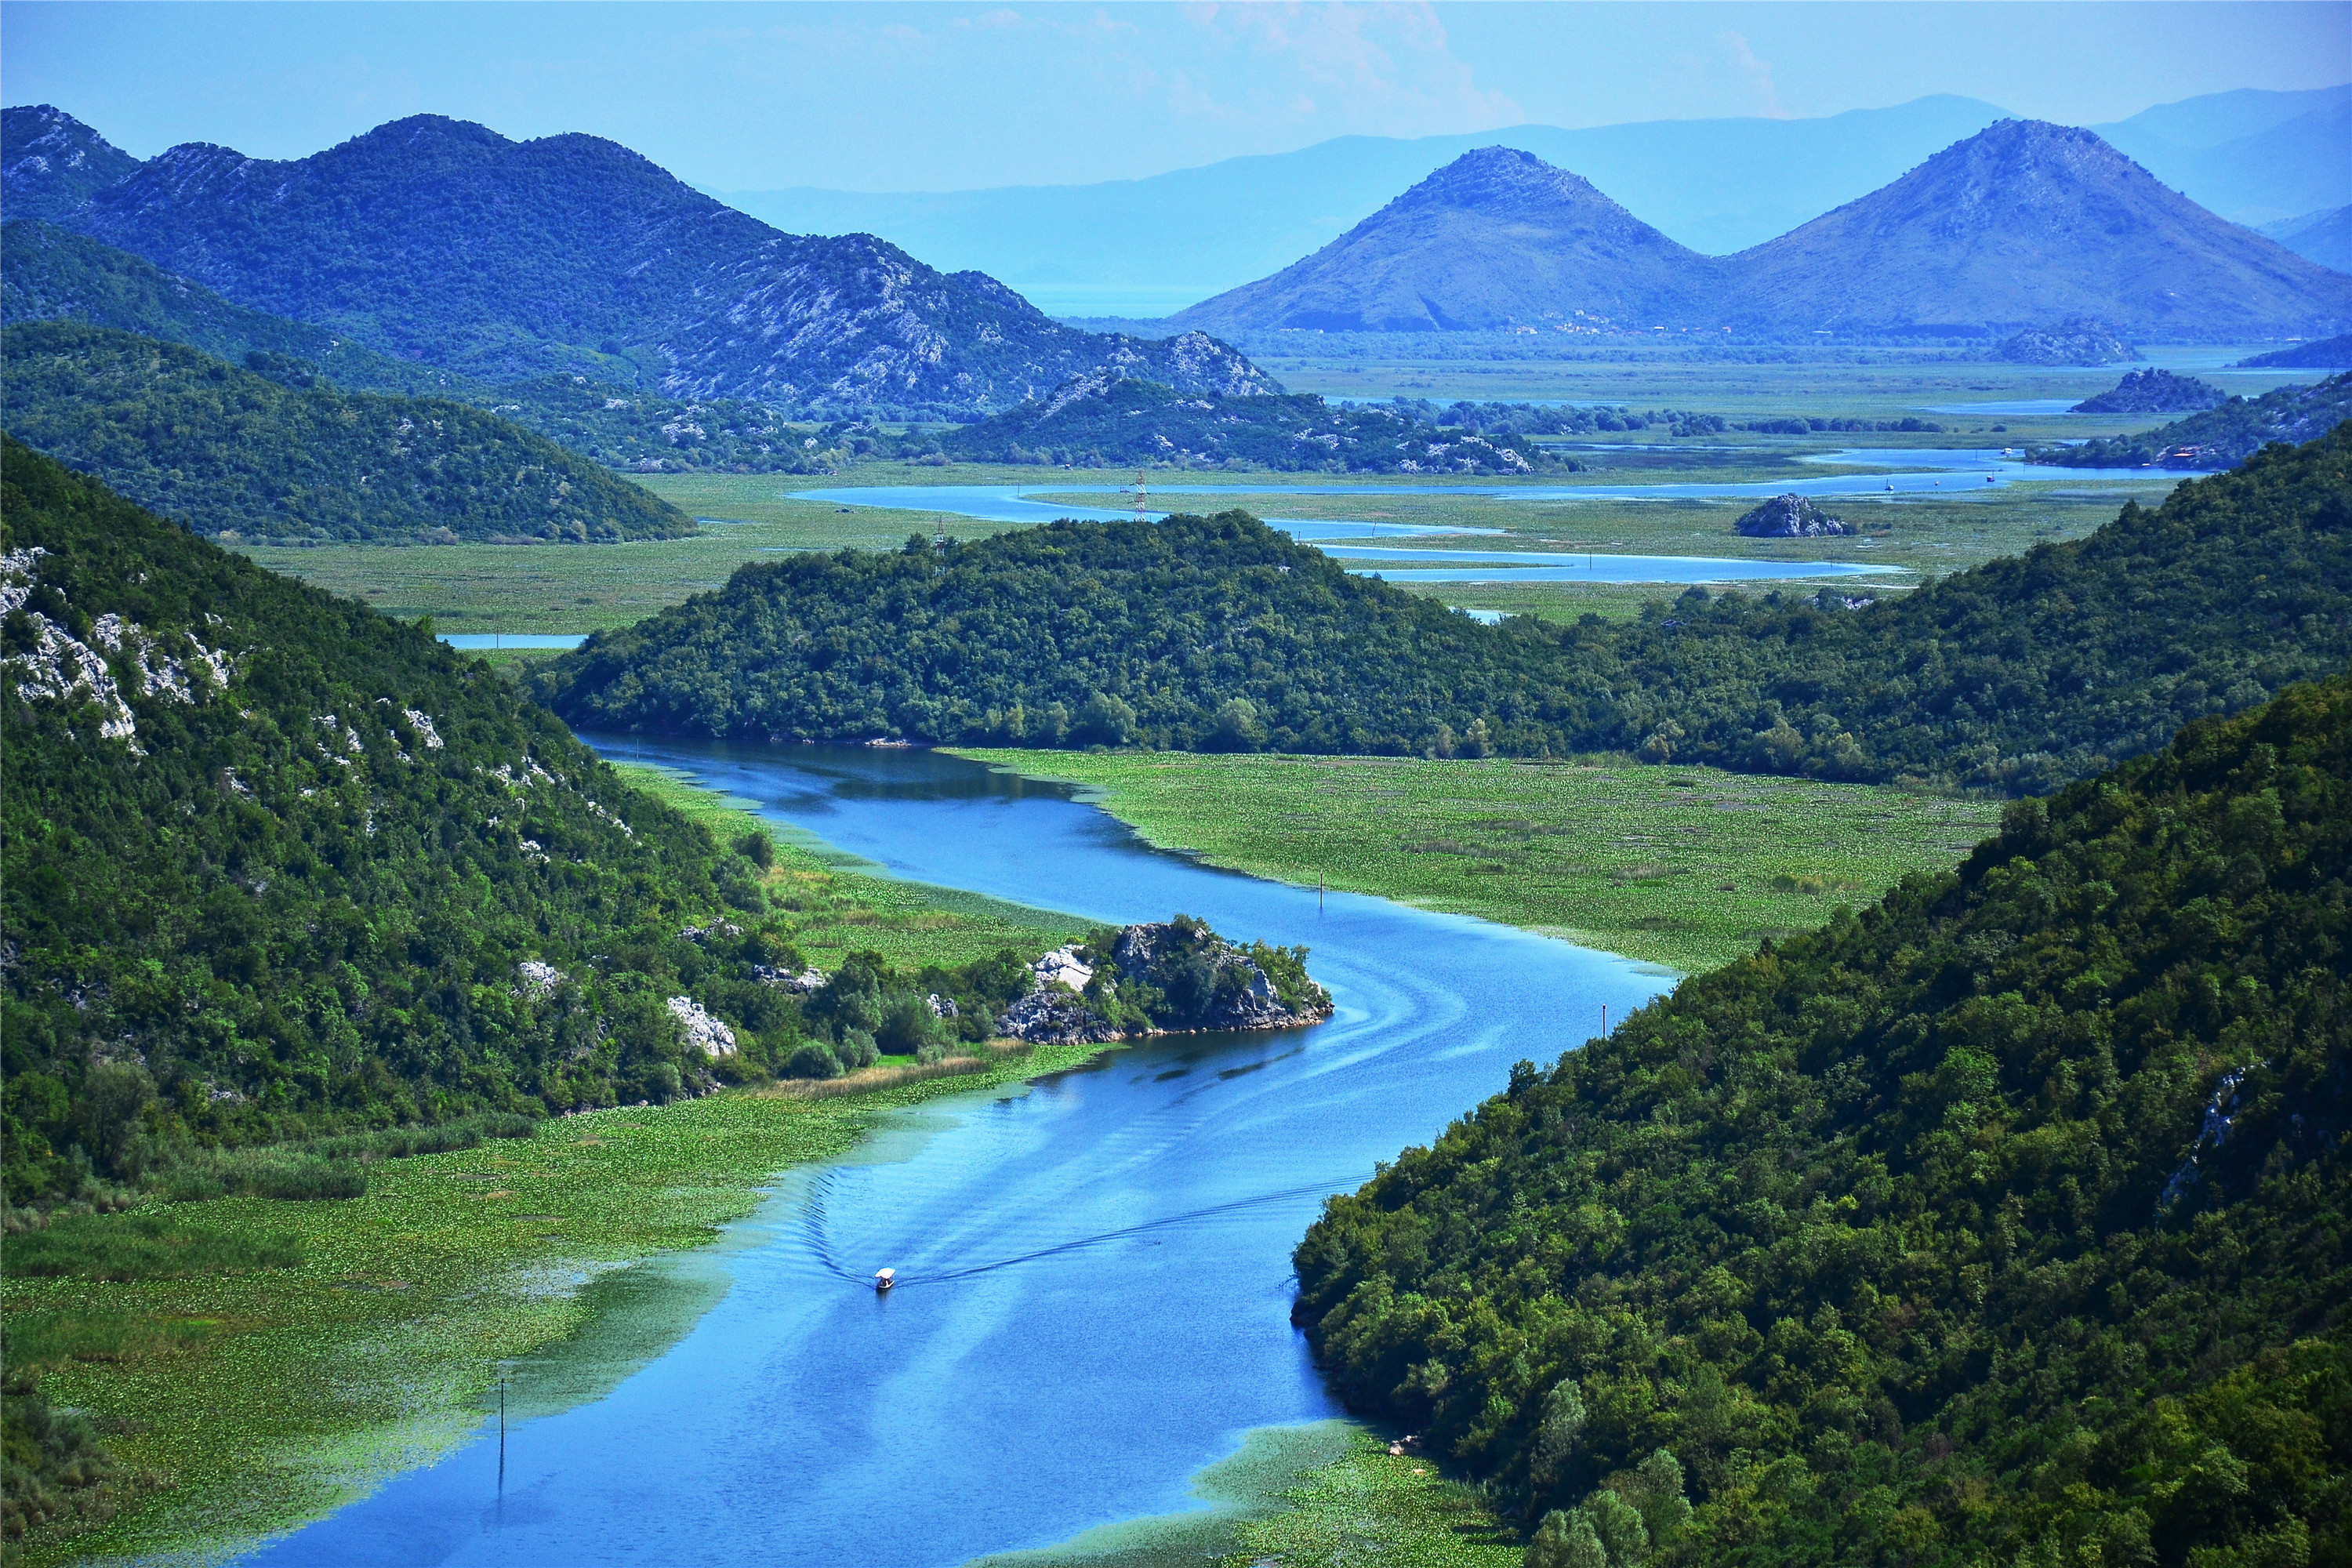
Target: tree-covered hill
(1132, 421)
(47, 273)
(2004, 1222)
(1219, 633)
(273, 863)
(2228, 433)
(223, 451)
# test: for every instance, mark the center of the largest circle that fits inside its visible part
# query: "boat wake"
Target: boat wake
(814, 1229)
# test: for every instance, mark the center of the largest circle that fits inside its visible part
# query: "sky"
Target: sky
(884, 97)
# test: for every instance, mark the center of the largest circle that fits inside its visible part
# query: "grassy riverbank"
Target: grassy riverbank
(1680, 866)
(257, 1363)
(240, 1404)
(1327, 1495)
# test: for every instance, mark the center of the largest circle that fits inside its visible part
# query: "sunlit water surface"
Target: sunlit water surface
(1096, 1272)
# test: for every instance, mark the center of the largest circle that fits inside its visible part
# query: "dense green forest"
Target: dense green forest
(225, 450)
(275, 865)
(1144, 422)
(2228, 433)
(2005, 1221)
(1218, 632)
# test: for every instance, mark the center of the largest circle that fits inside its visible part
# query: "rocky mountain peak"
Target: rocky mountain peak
(1505, 180)
(51, 162)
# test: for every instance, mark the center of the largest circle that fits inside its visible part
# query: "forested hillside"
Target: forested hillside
(1143, 422)
(47, 273)
(2228, 433)
(221, 449)
(277, 865)
(2004, 1222)
(1219, 633)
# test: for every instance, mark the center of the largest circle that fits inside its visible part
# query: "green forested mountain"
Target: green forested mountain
(225, 450)
(2004, 1222)
(47, 273)
(1091, 423)
(1203, 634)
(2229, 433)
(275, 864)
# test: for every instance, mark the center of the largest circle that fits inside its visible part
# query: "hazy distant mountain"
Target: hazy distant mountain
(51, 162)
(1495, 237)
(439, 241)
(1142, 248)
(2251, 157)
(2322, 237)
(2022, 223)
(1151, 246)
(2020, 226)
(2327, 354)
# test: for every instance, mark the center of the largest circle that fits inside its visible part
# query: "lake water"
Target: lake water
(1002, 503)
(1096, 1274)
(474, 640)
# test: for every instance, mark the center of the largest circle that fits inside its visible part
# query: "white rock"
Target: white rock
(703, 1032)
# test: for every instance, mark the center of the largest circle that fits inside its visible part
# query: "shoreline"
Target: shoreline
(319, 1395)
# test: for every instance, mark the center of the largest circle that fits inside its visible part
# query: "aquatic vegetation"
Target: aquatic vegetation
(143, 1246)
(270, 1395)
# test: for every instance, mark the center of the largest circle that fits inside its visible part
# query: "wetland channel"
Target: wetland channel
(1095, 1277)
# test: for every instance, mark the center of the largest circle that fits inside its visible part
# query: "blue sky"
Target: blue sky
(941, 96)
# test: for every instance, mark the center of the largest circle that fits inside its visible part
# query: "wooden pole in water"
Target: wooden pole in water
(1605, 1020)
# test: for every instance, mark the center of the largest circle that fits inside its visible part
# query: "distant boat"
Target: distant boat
(883, 1280)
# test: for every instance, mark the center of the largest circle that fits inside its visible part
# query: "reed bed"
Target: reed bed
(866, 1080)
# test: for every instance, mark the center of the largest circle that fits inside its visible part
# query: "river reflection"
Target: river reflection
(1097, 1275)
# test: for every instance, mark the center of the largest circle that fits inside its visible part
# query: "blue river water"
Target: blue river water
(472, 641)
(1096, 1274)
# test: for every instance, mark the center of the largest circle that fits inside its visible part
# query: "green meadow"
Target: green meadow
(1687, 868)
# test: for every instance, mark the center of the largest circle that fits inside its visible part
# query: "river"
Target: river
(1096, 1274)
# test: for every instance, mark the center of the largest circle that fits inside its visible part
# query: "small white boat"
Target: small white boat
(883, 1280)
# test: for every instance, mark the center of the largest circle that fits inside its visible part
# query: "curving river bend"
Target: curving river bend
(1096, 1272)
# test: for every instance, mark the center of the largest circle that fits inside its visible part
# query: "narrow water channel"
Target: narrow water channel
(1096, 1271)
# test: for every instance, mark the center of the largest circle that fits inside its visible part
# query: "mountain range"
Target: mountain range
(444, 244)
(2019, 225)
(2322, 236)
(1144, 248)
